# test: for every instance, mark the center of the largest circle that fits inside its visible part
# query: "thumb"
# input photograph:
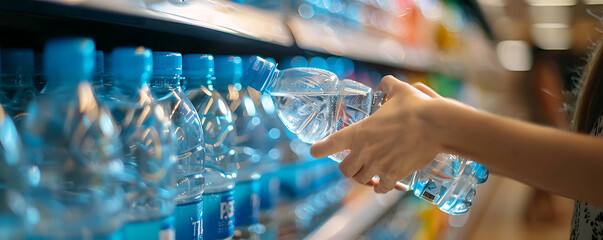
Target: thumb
(393, 86)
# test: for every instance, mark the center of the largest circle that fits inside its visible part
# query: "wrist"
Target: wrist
(444, 120)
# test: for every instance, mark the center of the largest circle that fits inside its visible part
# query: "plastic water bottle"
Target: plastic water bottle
(13, 207)
(250, 143)
(39, 78)
(97, 79)
(166, 89)
(149, 148)
(313, 103)
(220, 153)
(16, 88)
(73, 140)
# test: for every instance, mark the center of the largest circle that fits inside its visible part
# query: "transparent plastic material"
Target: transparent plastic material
(13, 210)
(16, 88)
(149, 148)
(313, 103)
(189, 136)
(71, 139)
(218, 127)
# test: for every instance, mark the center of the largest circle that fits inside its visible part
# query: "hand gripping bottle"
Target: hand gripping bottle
(250, 143)
(165, 88)
(313, 103)
(16, 88)
(71, 137)
(149, 148)
(220, 156)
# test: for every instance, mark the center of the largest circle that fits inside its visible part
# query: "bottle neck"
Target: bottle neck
(271, 81)
(165, 81)
(63, 85)
(16, 79)
(127, 89)
(195, 82)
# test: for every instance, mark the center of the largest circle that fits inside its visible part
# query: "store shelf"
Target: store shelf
(222, 24)
(356, 216)
(362, 45)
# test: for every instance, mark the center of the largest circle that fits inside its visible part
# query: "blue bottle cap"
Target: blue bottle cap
(18, 61)
(100, 62)
(199, 65)
(69, 59)
(167, 63)
(319, 62)
(229, 70)
(132, 63)
(336, 66)
(258, 73)
(247, 60)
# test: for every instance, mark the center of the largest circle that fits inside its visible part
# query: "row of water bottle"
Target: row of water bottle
(133, 144)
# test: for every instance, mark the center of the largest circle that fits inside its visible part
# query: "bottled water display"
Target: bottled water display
(16, 86)
(250, 143)
(97, 79)
(13, 210)
(313, 103)
(149, 148)
(220, 153)
(166, 89)
(73, 141)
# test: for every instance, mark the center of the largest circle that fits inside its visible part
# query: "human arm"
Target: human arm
(414, 125)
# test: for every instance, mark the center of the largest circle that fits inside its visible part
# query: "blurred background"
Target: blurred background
(518, 58)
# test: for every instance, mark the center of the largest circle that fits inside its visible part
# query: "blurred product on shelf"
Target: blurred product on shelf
(149, 147)
(71, 138)
(221, 158)
(251, 145)
(187, 129)
(16, 83)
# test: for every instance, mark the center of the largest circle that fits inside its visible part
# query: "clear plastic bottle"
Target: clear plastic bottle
(13, 207)
(97, 79)
(16, 88)
(149, 148)
(314, 103)
(166, 89)
(220, 153)
(250, 143)
(71, 138)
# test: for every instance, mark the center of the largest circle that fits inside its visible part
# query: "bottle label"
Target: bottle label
(152, 230)
(247, 202)
(219, 215)
(269, 190)
(167, 229)
(189, 220)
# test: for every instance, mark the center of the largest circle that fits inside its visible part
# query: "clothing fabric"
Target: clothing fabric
(587, 222)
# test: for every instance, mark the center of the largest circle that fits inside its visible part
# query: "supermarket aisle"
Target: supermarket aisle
(505, 214)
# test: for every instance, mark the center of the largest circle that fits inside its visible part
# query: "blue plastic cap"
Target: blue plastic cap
(318, 62)
(258, 73)
(132, 64)
(167, 63)
(199, 65)
(247, 60)
(229, 70)
(100, 62)
(69, 59)
(18, 61)
(336, 66)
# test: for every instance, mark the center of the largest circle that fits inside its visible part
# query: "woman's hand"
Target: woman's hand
(399, 138)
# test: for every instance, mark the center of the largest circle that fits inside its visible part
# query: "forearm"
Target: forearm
(561, 162)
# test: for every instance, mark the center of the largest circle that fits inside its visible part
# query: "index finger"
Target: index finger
(336, 142)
